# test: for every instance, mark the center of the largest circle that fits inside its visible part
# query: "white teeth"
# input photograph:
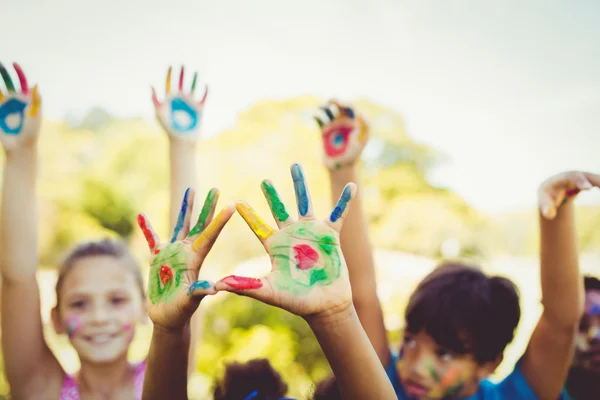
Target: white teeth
(100, 339)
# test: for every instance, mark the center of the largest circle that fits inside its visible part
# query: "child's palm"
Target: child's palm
(180, 114)
(20, 111)
(309, 273)
(344, 134)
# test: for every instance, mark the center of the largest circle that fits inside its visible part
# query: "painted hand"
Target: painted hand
(345, 134)
(20, 112)
(180, 114)
(558, 189)
(174, 291)
(309, 274)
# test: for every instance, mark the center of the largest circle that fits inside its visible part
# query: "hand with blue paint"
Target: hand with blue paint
(309, 274)
(180, 114)
(174, 291)
(20, 111)
(344, 134)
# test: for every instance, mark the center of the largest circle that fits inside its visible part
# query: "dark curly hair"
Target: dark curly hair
(240, 380)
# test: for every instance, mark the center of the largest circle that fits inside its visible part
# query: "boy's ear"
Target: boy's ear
(488, 368)
(56, 323)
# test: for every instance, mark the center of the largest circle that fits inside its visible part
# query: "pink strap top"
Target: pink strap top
(70, 389)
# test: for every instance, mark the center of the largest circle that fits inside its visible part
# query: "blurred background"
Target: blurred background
(471, 104)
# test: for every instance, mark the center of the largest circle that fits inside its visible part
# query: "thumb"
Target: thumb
(201, 288)
(259, 289)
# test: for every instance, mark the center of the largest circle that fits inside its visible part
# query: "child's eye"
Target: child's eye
(117, 301)
(445, 355)
(409, 342)
(79, 304)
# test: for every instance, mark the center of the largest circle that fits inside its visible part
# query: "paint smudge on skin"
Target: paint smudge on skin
(163, 286)
(180, 109)
(194, 81)
(274, 201)
(181, 217)
(73, 326)
(300, 189)
(306, 256)
(199, 285)
(6, 77)
(594, 309)
(260, 228)
(209, 205)
(341, 205)
(12, 116)
(241, 283)
(336, 139)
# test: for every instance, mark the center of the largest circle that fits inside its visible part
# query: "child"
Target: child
(308, 278)
(100, 296)
(583, 382)
(459, 320)
(253, 380)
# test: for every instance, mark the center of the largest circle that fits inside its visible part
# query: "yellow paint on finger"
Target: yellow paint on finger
(168, 84)
(211, 232)
(1, 95)
(260, 228)
(35, 101)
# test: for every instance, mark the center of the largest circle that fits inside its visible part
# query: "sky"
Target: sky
(508, 92)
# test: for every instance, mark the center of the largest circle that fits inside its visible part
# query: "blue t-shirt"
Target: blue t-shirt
(513, 387)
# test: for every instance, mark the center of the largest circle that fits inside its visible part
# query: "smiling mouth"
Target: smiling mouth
(414, 389)
(100, 339)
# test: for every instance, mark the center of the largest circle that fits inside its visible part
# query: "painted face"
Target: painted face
(428, 371)
(100, 305)
(587, 350)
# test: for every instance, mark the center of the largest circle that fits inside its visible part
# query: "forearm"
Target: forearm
(167, 363)
(18, 216)
(357, 369)
(562, 291)
(358, 252)
(183, 170)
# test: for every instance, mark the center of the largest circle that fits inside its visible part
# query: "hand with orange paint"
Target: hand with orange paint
(20, 111)
(309, 274)
(344, 134)
(174, 291)
(560, 188)
(180, 114)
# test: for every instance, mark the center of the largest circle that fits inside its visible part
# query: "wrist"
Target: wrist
(346, 173)
(182, 143)
(338, 316)
(26, 151)
(173, 333)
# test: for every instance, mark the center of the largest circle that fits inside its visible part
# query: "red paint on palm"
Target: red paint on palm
(241, 283)
(306, 256)
(336, 139)
(165, 274)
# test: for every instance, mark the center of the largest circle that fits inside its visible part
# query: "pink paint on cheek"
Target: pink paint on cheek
(73, 326)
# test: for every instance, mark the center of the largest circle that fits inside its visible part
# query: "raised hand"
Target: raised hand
(20, 111)
(180, 114)
(345, 134)
(309, 274)
(174, 291)
(558, 189)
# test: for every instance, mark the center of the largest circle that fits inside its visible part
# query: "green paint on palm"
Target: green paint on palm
(275, 202)
(174, 257)
(327, 269)
(208, 206)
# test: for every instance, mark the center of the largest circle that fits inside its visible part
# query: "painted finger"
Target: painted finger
(157, 103)
(168, 81)
(185, 214)
(201, 288)
(36, 101)
(259, 289)
(261, 229)
(282, 218)
(329, 112)
(209, 235)
(305, 208)
(594, 179)
(582, 183)
(22, 79)
(6, 78)
(205, 95)
(1, 95)
(341, 209)
(181, 76)
(149, 233)
(194, 81)
(207, 213)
